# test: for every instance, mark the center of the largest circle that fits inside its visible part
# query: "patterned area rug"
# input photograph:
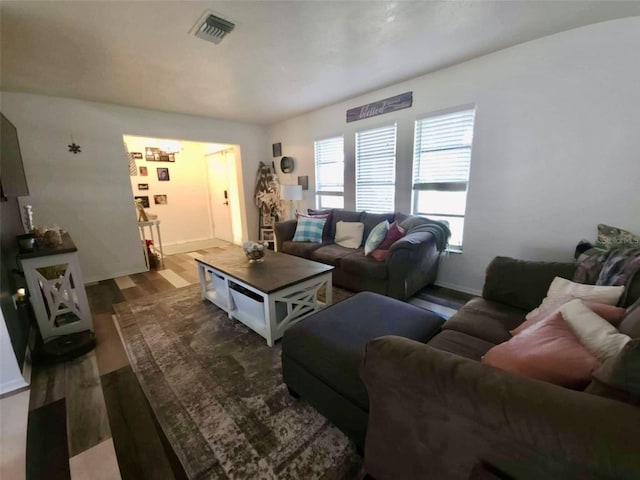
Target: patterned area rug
(216, 389)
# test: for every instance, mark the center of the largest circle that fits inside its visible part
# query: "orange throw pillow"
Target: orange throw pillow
(611, 314)
(547, 351)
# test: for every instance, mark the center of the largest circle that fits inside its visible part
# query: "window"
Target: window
(376, 169)
(441, 161)
(329, 155)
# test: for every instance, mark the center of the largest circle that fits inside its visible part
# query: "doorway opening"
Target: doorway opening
(192, 189)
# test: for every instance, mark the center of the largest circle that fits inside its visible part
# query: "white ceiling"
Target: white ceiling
(282, 59)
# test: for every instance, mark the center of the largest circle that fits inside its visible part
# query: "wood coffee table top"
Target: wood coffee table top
(277, 271)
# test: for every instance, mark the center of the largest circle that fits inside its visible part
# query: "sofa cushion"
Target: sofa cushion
(331, 254)
(461, 344)
(565, 290)
(520, 283)
(600, 337)
(309, 229)
(611, 314)
(327, 223)
(339, 215)
(490, 321)
(371, 220)
(300, 249)
(611, 237)
(547, 351)
(376, 237)
(395, 233)
(363, 266)
(349, 234)
(326, 231)
(330, 344)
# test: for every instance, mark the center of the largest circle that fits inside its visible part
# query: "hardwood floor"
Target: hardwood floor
(89, 418)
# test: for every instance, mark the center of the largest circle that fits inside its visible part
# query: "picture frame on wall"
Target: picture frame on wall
(163, 174)
(144, 199)
(143, 186)
(151, 154)
(143, 171)
(160, 199)
(137, 155)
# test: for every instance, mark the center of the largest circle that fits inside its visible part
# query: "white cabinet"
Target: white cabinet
(56, 290)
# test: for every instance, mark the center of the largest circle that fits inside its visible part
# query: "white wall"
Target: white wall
(555, 148)
(10, 375)
(90, 194)
(187, 215)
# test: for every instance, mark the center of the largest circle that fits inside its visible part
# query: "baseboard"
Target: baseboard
(459, 288)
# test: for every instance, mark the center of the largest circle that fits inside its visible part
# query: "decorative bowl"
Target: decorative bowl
(254, 251)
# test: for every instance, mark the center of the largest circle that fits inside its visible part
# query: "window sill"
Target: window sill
(457, 250)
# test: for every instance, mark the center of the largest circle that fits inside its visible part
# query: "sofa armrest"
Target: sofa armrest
(412, 264)
(284, 231)
(520, 283)
(436, 412)
(412, 240)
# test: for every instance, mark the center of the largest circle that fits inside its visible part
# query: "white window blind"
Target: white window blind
(329, 160)
(376, 169)
(442, 159)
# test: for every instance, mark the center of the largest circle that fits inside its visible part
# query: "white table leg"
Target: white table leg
(329, 291)
(270, 318)
(203, 280)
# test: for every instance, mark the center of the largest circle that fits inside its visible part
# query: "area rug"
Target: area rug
(216, 389)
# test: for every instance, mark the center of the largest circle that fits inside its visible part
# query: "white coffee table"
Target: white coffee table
(267, 297)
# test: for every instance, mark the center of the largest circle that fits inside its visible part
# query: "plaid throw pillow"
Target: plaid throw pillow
(309, 229)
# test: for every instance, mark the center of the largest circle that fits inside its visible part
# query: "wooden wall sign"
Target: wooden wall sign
(399, 102)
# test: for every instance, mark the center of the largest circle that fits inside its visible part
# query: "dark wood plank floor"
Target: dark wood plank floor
(78, 405)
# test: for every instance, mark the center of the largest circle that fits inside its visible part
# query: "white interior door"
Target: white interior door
(219, 196)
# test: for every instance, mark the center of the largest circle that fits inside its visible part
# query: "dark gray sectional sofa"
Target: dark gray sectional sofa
(411, 265)
(436, 411)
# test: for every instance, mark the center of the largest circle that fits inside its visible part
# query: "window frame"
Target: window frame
(327, 193)
(389, 124)
(443, 186)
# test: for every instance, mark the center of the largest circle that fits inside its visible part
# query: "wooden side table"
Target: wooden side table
(56, 289)
(151, 224)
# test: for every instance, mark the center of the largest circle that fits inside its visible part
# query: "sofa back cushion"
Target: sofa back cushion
(520, 283)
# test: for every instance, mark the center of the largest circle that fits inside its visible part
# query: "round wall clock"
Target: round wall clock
(286, 164)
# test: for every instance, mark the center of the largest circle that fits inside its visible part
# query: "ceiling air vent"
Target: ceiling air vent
(214, 29)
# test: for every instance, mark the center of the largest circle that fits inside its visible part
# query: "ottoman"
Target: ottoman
(321, 354)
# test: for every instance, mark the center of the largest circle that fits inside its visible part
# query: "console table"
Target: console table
(151, 224)
(56, 289)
